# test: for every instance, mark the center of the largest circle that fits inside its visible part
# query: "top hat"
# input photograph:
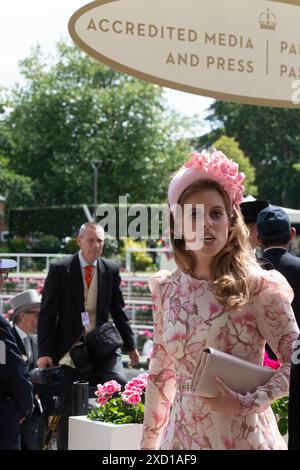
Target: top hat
(251, 209)
(7, 264)
(24, 301)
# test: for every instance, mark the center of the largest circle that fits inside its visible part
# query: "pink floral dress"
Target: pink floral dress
(188, 318)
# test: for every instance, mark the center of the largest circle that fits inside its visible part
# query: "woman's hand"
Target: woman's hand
(225, 402)
(134, 357)
(44, 361)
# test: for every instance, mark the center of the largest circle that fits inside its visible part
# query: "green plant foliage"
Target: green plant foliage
(280, 409)
(117, 411)
(111, 248)
(58, 221)
(16, 188)
(32, 264)
(4, 248)
(47, 244)
(17, 245)
(140, 261)
(71, 246)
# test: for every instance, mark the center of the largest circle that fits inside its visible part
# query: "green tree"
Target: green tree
(271, 139)
(230, 147)
(17, 189)
(76, 110)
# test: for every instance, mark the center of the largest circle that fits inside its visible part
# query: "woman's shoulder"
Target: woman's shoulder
(264, 281)
(272, 275)
(163, 277)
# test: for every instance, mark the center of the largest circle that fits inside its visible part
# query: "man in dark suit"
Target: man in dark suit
(275, 232)
(16, 399)
(250, 211)
(79, 294)
(26, 308)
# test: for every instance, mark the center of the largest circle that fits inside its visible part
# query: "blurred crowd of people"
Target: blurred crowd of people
(80, 293)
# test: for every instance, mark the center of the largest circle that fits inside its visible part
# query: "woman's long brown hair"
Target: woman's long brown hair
(230, 267)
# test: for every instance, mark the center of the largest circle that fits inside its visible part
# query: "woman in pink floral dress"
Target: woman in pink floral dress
(218, 297)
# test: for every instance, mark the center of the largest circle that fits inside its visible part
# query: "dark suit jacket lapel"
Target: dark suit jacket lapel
(19, 342)
(77, 283)
(274, 256)
(102, 295)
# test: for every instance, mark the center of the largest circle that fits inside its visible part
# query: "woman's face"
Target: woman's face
(215, 221)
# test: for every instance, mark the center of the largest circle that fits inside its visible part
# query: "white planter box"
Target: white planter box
(85, 434)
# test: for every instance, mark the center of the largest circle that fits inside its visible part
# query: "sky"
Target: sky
(25, 23)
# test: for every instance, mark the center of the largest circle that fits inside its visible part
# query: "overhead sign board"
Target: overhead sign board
(245, 51)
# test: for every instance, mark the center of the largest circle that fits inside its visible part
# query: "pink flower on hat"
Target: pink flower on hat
(215, 166)
(219, 168)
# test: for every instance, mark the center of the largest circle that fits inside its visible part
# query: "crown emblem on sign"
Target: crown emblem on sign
(267, 20)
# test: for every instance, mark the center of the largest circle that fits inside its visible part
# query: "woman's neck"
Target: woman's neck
(202, 271)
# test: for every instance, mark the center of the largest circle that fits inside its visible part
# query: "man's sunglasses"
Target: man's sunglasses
(32, 312)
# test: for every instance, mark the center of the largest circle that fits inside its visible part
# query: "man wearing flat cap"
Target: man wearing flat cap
(250, 211)
(16, 399)
(275, 231)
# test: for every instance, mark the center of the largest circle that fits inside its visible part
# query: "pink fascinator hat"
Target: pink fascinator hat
(213, 166)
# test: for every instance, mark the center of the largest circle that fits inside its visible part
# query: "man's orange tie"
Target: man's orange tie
(88, 275)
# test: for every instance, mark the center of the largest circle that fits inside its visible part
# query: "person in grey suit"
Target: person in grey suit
(16, 398)
(26, 309)
(79, 294)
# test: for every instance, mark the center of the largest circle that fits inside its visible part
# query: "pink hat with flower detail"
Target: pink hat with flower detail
(215, 166)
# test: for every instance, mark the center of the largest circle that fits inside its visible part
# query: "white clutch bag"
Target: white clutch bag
(239, 375)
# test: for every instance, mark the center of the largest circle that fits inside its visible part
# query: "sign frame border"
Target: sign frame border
(167, 83)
